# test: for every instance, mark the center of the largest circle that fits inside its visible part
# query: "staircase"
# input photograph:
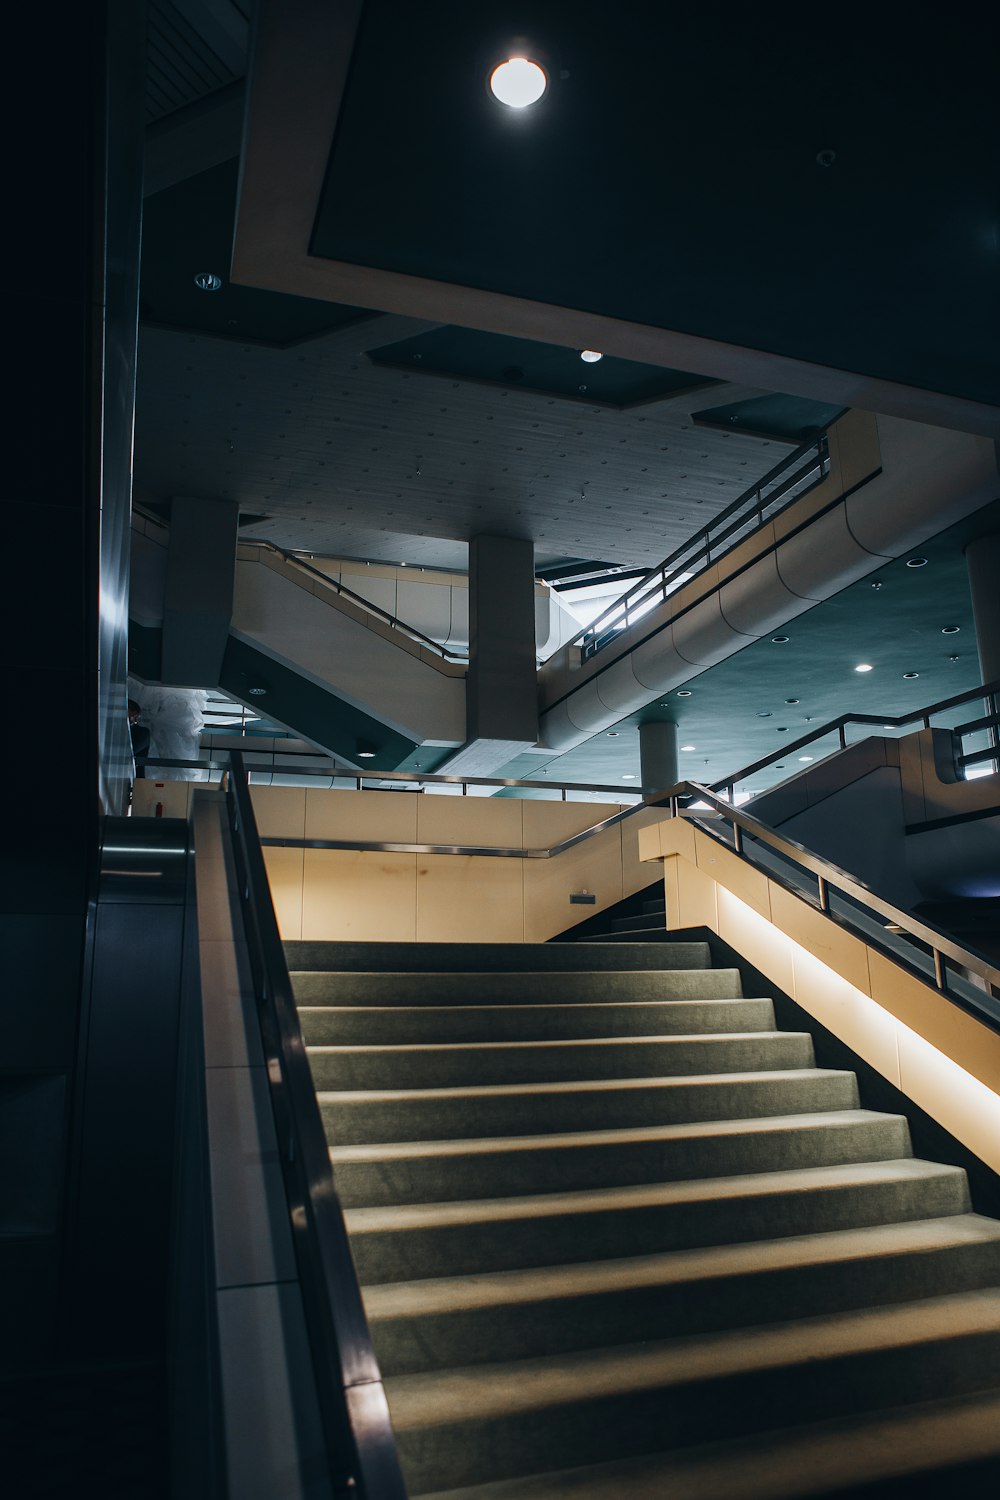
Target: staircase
(618, 1236)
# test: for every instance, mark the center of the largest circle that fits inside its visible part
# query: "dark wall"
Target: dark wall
(73, 182)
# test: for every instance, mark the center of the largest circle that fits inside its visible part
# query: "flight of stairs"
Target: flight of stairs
(618, 1236)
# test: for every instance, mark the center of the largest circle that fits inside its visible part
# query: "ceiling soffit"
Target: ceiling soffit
(674, 238)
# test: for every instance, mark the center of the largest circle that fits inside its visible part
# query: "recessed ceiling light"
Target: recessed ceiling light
(950, 629)
(518, 82)
(689, 747)
(791, 700)
(910, 675)
(864, 666)
(256, 692)
(366, 750)
(612, 734)
(590, 356)
(628, 776)
(916, 562)
(207, 281)
(763, 713)
(779, 640)
(683, 692)
(779, 768)
(805, 758)
(782, 729)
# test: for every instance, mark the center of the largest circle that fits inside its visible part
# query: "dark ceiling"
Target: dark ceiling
(191, 224)
(689, 191)
(471, 354)
(674, 173)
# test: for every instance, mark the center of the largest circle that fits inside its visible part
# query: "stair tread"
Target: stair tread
(531, 1007)
(817, 1458)
(517, 1387)
(382, 1151)
(548, 1284)
(579, 1086)
(548, 1205)
(540, 1044)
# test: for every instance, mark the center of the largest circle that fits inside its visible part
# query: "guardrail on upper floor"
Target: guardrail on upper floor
(988, 694)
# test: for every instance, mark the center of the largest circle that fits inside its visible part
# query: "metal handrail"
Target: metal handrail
(989, 691)
(943, 946)
(361, 1451)
(751, 501)
(373, 609)
(220, 762)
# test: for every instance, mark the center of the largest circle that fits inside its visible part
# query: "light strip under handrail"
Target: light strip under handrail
(831, 877)
(361, 1451)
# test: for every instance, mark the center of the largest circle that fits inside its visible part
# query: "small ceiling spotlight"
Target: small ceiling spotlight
(256, 692)
(916, 562)
(689, 747)
(612, 734)
(953, 658)
(950, 629)
(779, 640)
(763, 713)
(910, 675)
(590, 356)
(864, 666)
(791, 700)
(366, 750)
(207, 281)
(683, 692)
(805, 758)
(629, 776)
(877, 584)
(782, 729)
(518, 82)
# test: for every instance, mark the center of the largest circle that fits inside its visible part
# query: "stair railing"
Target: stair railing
(298, 561)
(924, 949)
(796, 474)
(361, 1451)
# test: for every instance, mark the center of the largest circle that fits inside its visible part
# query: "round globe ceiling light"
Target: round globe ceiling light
(518, 82)
(590, 356)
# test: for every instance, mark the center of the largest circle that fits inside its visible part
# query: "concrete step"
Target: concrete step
(400, 1172)
(487, 1235)
(921, 1452)
(344, 1025)
(489, 1422)
(452, 1064)
(434, 1323)
(355, 1116)
(484, 958)
(647, 935)
(522, 987)
(646, 920)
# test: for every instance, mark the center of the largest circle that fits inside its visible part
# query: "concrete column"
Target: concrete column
(658, 755)
(502, 701)
(982, 558)
(198, 598)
